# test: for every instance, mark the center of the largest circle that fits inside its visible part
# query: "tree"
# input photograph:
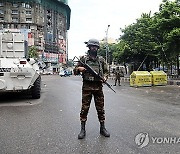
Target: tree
(156, 37)
(140, 41)
(167, 27)
(33, 52)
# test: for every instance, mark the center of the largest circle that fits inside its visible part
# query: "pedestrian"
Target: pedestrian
(92, 86)
(118, 74)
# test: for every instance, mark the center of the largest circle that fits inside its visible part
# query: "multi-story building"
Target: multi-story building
(44, 23)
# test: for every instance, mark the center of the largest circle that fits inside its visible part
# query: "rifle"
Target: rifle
(94, 73)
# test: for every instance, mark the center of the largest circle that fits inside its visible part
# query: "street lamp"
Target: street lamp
(107, 48)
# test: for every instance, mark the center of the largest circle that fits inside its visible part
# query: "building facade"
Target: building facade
(44, 23)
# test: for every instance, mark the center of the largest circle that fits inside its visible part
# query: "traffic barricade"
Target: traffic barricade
(140, 78)
(159, 78)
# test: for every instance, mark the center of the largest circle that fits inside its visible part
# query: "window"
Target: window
(5, 26)
(15, 26)
(1, 26)
(28, 6)
(23, 5)
(10, 26)
(1, 18)
(1, 12)
(14, 19)
(15, 5)
(14, 11)
(1, 4)
(27, 27)
(28, 12)
(29, 19)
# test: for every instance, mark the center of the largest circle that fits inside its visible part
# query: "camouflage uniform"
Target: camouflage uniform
(118, 74)
(93, 87)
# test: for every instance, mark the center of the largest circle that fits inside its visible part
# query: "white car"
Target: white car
(62, 73)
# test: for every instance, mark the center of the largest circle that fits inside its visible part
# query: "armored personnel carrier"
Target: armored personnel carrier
(17, 71)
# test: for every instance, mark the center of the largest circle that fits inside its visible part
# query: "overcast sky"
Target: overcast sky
(90, 19)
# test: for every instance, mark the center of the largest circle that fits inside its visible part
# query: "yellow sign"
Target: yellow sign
(140, 78)
(159, 78)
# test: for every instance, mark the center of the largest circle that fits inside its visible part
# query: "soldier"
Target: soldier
(118, 74)
(92, 86)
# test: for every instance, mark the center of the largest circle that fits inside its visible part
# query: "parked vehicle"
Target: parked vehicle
(165, 69)
(67, 73)
(17, 71)
(64, 73)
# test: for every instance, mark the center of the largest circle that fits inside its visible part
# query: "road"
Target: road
(141, 120)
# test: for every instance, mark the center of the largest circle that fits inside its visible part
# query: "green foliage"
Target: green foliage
(156, 37)
(33, 52)
(173, 42)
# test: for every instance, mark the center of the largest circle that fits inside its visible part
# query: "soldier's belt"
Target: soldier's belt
(90, 78)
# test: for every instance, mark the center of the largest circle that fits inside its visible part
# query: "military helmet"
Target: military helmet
(93, 42)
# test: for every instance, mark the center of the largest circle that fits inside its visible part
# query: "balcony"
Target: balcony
(14, 12)
(28, 20)
(28, 13)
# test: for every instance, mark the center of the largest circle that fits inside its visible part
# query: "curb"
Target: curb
(125, 79)
(170, 82)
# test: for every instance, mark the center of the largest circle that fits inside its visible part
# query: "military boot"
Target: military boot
(103, 130)
(82, 133)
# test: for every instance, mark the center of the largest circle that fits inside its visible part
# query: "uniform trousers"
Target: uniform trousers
(99, 103)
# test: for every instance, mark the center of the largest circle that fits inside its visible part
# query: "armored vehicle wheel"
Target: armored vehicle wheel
(36, 89)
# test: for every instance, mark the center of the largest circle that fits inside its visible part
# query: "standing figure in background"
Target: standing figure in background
(118, 74)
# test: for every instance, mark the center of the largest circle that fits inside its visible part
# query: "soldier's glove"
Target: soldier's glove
(105, 79)
(81, 69)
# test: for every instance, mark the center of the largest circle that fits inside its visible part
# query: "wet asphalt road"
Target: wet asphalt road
(51, 124)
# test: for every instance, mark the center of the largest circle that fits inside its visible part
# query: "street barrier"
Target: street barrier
(140, 78)
(159, 78)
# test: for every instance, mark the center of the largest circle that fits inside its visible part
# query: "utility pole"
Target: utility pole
(107, 47)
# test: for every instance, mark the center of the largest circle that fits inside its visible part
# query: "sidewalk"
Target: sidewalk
(169, 82)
